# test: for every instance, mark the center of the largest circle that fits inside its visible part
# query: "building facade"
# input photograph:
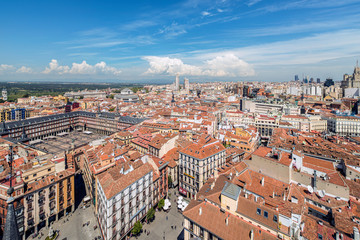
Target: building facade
(197, 163)
(124, 195)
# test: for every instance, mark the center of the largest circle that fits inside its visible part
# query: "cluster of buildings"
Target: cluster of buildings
(257, 160)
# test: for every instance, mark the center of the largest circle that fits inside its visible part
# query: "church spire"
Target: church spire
(11, 231)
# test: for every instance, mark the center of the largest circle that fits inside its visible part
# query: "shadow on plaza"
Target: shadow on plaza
(80, 191)
(181, 235)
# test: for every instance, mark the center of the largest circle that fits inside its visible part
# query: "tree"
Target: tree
(81, 97)
(161, 203)
(137, 228)
(111, 109)
(170, 181)
(150, 214)
(111, 96)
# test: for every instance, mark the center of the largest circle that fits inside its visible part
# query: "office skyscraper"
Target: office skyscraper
(186, 85)
(177, 83)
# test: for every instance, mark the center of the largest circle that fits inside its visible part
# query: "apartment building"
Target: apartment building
(48, 199)
(124, 195)
(13, 114)
(266, 125)
(344, 125)
(197, 163)
(306, 123)
(161, 144)
(244, 139)
(160, 177)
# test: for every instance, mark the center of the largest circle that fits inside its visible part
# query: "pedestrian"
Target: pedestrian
(175, 227)
(166, 218)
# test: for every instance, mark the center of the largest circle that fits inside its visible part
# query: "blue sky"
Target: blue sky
(137, 41)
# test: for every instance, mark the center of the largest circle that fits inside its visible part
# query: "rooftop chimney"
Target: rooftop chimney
(227, 221)
(262, 181)
(252, 234)
(200, 211)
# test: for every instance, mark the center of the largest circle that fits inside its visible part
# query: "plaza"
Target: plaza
(66, 141)
(160, 227)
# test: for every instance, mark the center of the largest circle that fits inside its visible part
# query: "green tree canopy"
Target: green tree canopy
(150, 214)
(161, 203)
(137, 228)
(170, 180)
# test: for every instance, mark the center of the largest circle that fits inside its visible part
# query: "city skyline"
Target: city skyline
(152, 41)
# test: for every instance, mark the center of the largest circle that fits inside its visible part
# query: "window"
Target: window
(266, 214)
(258, 211)
(275, 218)
(34, 175)
(320, 236)
(228, 208)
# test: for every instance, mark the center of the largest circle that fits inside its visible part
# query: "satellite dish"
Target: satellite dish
(321, 193)
(310, 189)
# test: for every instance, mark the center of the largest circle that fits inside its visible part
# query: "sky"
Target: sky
(152, 41)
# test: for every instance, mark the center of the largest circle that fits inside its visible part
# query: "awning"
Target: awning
(182, 191)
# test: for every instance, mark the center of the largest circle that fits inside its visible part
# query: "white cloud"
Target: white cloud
(81, 68)
(24, 69)
(54, 67)
(171, 66)
(227, 65)
(307, 50)
(205, 13)
(5, 67)
(173, 30)
(253, 2)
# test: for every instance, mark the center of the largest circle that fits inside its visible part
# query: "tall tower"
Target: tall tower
(186, 85)
(4, 94)
(177, 82)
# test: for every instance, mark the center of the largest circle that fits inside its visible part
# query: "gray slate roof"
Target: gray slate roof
(231, 190)
(11, 231)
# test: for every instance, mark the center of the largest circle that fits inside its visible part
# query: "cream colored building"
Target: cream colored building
(306, 123)
(197, 163)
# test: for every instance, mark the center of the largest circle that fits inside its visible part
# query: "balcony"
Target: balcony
(52, 206)
(30, 222)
